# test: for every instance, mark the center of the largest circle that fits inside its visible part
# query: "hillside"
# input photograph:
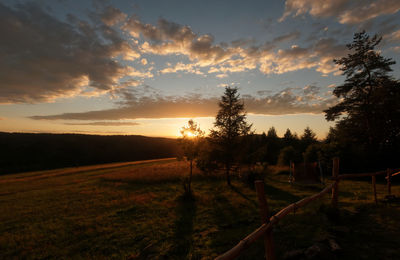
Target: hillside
(136, 211)
(29, 152)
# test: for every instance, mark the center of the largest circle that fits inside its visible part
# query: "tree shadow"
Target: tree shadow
(183, 233)
(274, 193)
(237, 190)
(369, 232)
(231, 221)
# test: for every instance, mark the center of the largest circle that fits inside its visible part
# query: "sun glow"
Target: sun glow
(190, 134)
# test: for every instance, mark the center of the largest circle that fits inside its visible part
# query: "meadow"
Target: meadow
(138, 211)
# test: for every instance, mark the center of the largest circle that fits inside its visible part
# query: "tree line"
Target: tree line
(366, 135)
(21, 152)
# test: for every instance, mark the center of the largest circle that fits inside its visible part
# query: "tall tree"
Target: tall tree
(368, 109)
(290, 139)
(308, 138)
(230, 124)
(190, 142)
(273, 146)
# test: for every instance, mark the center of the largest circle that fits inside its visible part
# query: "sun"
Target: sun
(190, 134)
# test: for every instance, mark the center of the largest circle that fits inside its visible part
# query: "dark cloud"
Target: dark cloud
(286, 37)
(243, 42)
(111, 16)
(106, 123)
(287, 101)
(43, 58)
(145, 107)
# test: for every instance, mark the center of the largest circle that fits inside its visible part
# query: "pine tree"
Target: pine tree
(369, 108)
(230, 124)
(308, 138)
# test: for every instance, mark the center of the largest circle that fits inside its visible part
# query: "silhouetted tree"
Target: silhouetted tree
(308, 138)
(190, 142)
(369, 110)
(272, 133)
(230, 123)
(273, 146)
(290, 139)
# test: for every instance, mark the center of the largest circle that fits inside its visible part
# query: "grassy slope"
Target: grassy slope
(137, 211)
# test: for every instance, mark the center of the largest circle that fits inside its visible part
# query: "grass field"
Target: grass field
(137, 211)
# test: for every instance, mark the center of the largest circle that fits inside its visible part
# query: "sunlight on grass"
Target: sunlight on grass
(138, 211)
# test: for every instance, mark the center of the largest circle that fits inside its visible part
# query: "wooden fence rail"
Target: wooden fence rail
(265, 230)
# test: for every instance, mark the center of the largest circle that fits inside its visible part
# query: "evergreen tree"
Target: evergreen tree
(272, 133)
(273, 146)
(308, 138)
(369, 110)
(290, 139)
(230, 124)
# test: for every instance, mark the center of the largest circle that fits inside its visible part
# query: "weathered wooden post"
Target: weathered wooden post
(264, 213)
(388, 179)
(374, 188)
(335, 175)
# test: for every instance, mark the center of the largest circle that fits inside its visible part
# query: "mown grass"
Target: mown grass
(139, 212)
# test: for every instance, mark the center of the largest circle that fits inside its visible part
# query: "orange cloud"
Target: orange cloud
(288, 101)
(346, 11)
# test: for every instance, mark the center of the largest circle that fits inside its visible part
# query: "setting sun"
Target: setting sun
(166, 129)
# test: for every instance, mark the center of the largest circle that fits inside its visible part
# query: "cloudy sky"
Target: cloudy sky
(146, 67)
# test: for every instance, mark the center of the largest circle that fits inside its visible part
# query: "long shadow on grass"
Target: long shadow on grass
(233, 223)
(183, 234)
(369, 233)
(237, 190)
(274, 193)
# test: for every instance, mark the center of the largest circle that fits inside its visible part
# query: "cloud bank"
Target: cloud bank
(105, 123)
(43, 58)
(345, 11)
(288, 101)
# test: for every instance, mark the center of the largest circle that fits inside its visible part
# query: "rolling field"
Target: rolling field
(137, 211)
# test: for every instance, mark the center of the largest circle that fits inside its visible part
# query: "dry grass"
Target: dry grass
(31, 176)
(170, 171)
(137, 211)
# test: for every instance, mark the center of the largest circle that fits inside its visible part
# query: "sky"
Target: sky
(147, 67)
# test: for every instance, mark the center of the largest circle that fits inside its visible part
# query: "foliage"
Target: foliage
(288, 154)
(312, 153)
(31, 152)
(290, 139)
(230, 124)
(368, 112)
(308, 138)
(206, 160)
(273, 145)
(190, 142)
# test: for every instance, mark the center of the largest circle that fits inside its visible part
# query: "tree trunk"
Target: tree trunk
(190, 177)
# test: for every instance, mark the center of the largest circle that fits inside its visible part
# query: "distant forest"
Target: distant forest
(29, 152)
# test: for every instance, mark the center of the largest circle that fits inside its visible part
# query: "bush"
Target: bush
(288, 154)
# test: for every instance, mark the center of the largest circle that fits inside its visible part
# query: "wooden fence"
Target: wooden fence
(265, 230)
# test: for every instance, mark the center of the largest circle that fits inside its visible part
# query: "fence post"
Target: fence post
(388, 177)
(374, 188)
(335, 175)
(264, 212)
